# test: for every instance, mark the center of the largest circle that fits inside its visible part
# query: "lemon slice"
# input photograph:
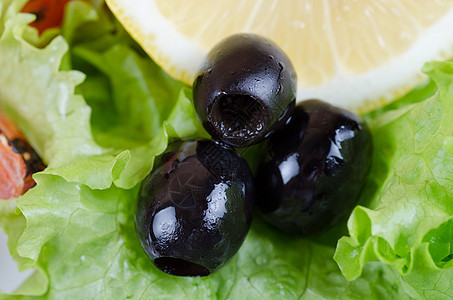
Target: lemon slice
(355, 54)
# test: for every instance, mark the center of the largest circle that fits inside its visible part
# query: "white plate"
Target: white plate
(10, 277)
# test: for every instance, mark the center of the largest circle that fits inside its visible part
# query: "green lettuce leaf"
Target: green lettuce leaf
(76, 226)
(99, 138)
(122, 129)
(85, 241)
(13, 223)
(48, 108)
(408, 220)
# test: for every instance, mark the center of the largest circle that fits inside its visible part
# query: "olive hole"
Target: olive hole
(180, 267)
(238, 117)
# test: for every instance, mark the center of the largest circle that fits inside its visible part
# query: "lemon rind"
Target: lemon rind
(181, 58)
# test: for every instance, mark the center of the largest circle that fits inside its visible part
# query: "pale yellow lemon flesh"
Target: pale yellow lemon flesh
(355, 54)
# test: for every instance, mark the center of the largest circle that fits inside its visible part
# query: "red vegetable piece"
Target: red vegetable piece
(49, 13)
(12, 170)
(18, 161)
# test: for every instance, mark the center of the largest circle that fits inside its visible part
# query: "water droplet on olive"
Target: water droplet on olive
(194, 208)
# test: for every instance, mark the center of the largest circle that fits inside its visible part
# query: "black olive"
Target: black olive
(245, 90)
(315, 168)
(195, 207)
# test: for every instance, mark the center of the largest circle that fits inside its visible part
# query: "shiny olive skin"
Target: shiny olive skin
(245, 90)
(195, 207)
(315, 169)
